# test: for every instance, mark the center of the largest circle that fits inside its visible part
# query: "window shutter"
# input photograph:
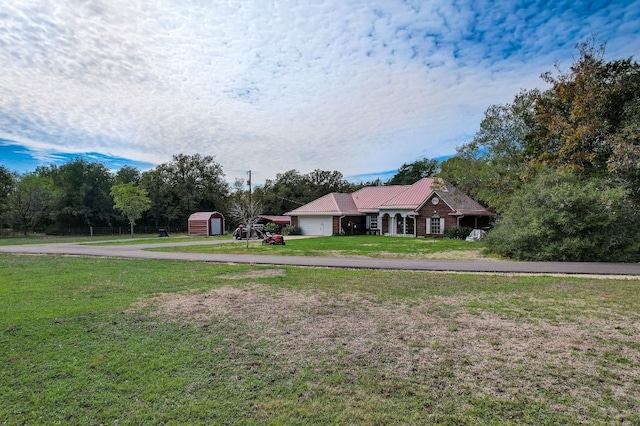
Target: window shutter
(428, 225)
(442, 225)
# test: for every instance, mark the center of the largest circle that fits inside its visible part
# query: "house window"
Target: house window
(373, 222)
(435, 224)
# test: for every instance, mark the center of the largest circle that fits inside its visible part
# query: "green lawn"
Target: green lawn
(101, 239)
(155, 239)
(363, 245)
(114, 341)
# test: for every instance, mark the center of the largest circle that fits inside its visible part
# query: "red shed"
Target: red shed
(206, 223)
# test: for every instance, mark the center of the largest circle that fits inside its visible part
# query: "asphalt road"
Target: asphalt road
(138, 251)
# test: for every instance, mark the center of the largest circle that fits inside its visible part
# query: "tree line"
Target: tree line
(82, 194)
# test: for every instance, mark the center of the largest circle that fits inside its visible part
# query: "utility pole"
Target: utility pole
(249, 183)
(249, 209)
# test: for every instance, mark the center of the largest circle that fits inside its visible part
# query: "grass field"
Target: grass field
(113, 341)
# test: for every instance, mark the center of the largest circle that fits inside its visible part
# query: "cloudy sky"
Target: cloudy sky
(358, 86)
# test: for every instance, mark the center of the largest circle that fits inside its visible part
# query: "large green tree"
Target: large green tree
(82, 193)
(588, 122)
(7, 182)
(127, 174)
(573, 134)
(282, 194)
(409, 174)
(323, 182)
(156, 182)
(187, 184)
(494, 164)
(30, 202)
(292, 189)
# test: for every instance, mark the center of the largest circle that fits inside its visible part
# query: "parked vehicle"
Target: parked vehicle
(241, 233)
(273, 239)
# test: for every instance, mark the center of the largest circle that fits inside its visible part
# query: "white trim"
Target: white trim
(441, 225)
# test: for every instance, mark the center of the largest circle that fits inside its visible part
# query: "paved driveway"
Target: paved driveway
(138, 251)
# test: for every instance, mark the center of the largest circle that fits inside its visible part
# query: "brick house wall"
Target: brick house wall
(427, 211)
(358, 221)
(335, 227)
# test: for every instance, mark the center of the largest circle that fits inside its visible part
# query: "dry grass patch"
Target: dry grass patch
(444, 255)
(383, 254)
(467, 351)
(255, 273)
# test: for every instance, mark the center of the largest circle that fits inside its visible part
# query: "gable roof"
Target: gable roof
(335, 204)
(413, 196)
(460, 202)
(372, 199)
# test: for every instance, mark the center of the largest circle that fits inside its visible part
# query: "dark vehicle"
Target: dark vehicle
(241, 233)
(273, 239)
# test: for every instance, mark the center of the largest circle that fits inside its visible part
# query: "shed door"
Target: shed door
(216, 226)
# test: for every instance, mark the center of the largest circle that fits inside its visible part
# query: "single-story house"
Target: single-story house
(426, 208)
(206, 224)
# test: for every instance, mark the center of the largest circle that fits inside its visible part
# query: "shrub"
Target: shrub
(272, 227)
(562, 217)
(457, 232)
(291, 230)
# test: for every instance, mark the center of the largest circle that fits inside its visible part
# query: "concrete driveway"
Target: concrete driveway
(138, 251)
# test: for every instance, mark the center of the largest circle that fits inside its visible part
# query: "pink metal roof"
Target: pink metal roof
(334, 203)
(371, 198)
(412, 197)
(399, 197)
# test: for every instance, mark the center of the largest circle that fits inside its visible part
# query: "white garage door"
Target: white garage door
(315, 225)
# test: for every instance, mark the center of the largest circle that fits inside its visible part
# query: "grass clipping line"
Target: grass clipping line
(480, 353)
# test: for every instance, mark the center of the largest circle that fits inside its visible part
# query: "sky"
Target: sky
(357, 86)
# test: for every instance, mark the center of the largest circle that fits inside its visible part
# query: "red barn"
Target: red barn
(206, 224)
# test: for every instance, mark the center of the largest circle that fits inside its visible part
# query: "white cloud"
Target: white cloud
(353, 86)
